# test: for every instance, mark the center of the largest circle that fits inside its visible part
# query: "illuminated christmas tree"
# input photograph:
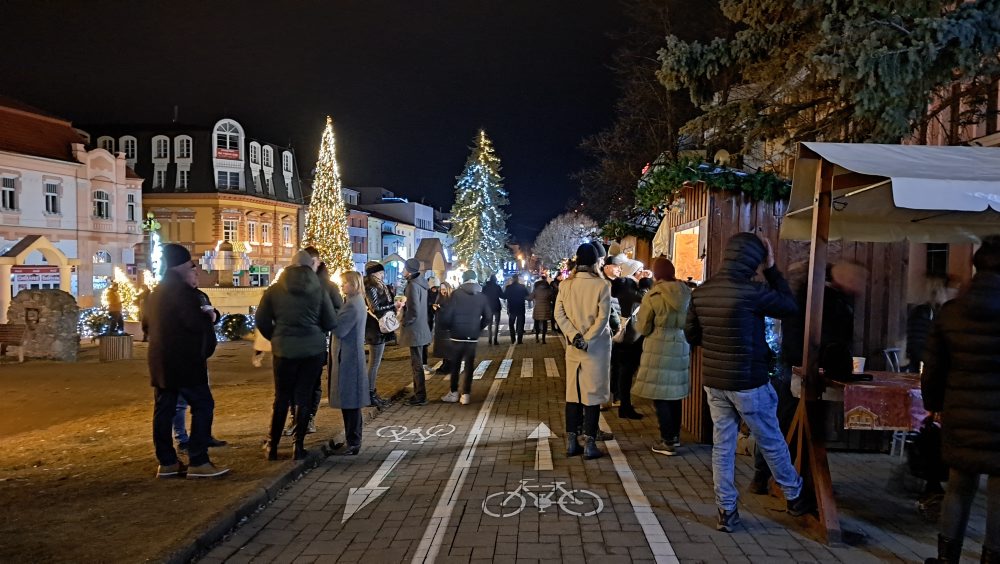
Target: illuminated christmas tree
(478, 220)
(127, 293)
(326, 219)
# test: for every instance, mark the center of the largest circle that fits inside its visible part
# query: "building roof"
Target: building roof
(29, 131)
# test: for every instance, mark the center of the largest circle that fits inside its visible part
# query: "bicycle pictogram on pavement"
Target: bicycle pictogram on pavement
(581, 503)
(416, 435)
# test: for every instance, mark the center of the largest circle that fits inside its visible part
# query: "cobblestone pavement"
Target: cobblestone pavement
(434, 491)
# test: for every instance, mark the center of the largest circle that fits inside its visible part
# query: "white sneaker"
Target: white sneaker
(257, 360)
(466, 399)
(428, 371)
(450, 397)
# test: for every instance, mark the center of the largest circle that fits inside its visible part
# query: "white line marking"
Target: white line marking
(504, 368)
(481, 370)
(433, 539)
(527, 367)
(438, 365)
(663, 552)
(543, 453)
(358, 498)
(551, 370)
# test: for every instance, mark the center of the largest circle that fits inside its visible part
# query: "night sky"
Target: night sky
(407, 83)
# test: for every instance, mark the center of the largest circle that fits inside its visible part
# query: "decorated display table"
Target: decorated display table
(891, 401)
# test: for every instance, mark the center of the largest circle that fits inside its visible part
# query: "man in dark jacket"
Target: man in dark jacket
(726, 319)
(181, 339)
(414, 331)
(465, 316)
(295, 314)
(961, 380)
(493, 293)
(516, 294)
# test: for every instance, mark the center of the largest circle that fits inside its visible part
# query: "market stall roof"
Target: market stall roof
(885, 193)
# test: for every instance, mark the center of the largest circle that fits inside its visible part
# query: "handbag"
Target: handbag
(627, 333)
(388, 323)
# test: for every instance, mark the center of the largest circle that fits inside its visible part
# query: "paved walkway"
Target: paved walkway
(435, 483)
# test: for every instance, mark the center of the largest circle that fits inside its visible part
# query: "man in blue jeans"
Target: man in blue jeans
(726, 319)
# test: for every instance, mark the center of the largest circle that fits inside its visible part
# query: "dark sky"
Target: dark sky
(408, 83)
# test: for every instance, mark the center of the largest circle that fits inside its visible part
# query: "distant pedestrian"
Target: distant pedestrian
(961, 381)
(493, 293)
(140, 304)
(378, 298)
(441, 346)
(181, 339)
(115, 310)
(726, 318)
(516, 295)
(348, 379)
(414, 332)
(295, 314)
(582, 311)
(544, 298)
(433, 292)
(664, 368)
(465, 316)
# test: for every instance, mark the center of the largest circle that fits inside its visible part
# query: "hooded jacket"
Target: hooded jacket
(961, 376)
(296, 313)
(466, 314)
(544, 298)
(664, 366)
(726, 317)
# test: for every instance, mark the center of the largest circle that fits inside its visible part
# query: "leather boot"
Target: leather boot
(949, 552)
(989, 556)
(299, 452)
(573, 448)
(591, 451)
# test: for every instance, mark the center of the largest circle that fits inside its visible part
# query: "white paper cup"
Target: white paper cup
(858, 364)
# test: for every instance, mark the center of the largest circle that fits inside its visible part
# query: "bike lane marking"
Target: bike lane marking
(358, 498)
(481, 370)
(656, 537)
(504, 369)
(543, 453)
(527, 367)
(433, 539)
(551, 370)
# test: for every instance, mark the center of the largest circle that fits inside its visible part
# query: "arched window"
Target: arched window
(102, 257)
(102, 204)
(268, 157)
(254, 152)
(286, 161)
(228, 140)
(127, 145)
(182, 147)
(161, 147)
(106, 143)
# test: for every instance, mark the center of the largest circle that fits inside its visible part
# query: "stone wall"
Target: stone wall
(51, 317)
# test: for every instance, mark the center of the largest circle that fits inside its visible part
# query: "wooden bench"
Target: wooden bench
(13, 335)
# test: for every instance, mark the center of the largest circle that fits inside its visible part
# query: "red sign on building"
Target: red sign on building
(233, 154)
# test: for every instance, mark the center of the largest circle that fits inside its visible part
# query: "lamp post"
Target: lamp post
(154, 253)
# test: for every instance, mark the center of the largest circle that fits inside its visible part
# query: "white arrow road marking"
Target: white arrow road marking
(358, 498)
(527, 367)
(543, 454)
(481, 370)
(551, 370)
(504, 369)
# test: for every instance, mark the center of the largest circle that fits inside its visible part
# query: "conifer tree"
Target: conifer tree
(326, 219)
(478, 220)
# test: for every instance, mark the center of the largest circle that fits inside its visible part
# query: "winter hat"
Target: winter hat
(663, 269)
(302, 258)
(175, 255)
(433, 282)
(618, 259)
(630, 267)
(601, 253)
(373, 266)
(987, 258)
(412, 266)
(586, 255)
(470, 276)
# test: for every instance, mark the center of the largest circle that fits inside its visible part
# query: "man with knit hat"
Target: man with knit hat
(181, 339)
(414, 331)
(625, 355)
(464, 317)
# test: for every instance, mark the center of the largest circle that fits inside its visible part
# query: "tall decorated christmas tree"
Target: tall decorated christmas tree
(478, 220)
(326, 219)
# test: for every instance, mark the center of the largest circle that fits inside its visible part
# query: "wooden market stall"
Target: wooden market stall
(878, 194)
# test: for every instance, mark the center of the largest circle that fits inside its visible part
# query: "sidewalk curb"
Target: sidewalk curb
(237, 513)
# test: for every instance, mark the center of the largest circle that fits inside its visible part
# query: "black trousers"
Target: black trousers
(417, 365)
(516, 322)
(668, 415)
(462, 351)
(541, 326)
(494, 326)
(202, 411)
(352, 426)
(624, 364)
(295, 384)
(581, 417)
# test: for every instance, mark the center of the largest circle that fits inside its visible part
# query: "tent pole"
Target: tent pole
(810, 420)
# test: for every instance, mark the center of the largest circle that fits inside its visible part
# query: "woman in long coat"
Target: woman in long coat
(544, 298)
(664, 374)
(442, 340)
(582, 310)
(348, 385)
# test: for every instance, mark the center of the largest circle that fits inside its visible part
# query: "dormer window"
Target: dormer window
(255, 153)
(227, 140)
(106, 143)
(128, 147)
(182, 148)
(161, 147)
(268, 157)
(286, 161)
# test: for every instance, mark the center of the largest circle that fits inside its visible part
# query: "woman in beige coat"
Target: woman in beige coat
(583, 307)
(664, 375)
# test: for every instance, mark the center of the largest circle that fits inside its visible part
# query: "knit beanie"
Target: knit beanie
(470, 276)
(302, 258)
(630, 267)
(175, 255)
(412, 266)
(586, 255)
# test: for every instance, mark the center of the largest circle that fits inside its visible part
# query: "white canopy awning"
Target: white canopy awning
(887, 193)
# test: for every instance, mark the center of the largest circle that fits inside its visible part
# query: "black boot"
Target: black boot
(573, 448)
(989, 556)
(591, 451)
(299, 452)
(271, 449)
(949, 552)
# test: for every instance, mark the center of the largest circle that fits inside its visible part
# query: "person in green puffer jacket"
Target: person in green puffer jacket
(664, 368)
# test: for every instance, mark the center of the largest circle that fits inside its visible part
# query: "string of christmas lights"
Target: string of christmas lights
(326, 218)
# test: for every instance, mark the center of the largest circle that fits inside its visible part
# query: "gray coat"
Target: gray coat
(348, 384)
(415, 332)
(664, 367)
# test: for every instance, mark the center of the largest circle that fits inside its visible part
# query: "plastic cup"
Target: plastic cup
(858, 364)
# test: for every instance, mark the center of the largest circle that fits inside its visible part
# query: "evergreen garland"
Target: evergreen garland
(657, 187)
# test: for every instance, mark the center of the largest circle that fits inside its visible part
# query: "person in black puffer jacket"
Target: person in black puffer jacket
(464, 317)
(726, 319)
(493, 293)
(961, 380)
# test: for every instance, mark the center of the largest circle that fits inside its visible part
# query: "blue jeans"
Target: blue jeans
(757, 408)
(180, 416)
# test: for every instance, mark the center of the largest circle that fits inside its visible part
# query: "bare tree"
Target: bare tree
(560, 237)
